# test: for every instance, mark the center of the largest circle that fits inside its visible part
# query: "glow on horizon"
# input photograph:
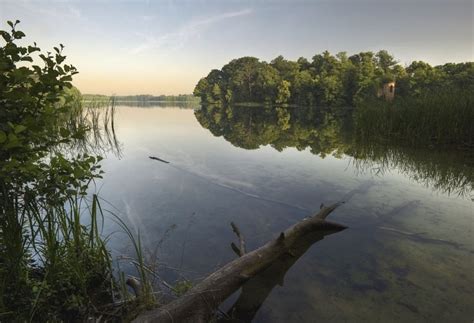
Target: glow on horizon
(165, 47)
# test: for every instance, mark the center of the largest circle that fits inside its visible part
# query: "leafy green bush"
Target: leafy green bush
(52, 266)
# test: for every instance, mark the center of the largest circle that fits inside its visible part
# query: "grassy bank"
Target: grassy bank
(431, 119)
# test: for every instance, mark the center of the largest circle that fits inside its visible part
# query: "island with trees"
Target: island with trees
(326, 80)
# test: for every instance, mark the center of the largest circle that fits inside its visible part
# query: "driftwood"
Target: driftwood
(159, 159)
(271, 260)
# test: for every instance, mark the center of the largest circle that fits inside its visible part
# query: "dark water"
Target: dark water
(407, 256)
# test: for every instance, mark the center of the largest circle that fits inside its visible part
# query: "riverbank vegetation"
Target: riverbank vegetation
(54, 264)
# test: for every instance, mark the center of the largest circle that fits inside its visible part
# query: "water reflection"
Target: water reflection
(406, 255)
(329, 132)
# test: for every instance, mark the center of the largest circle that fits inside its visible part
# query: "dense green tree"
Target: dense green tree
(303, 64)
(287, 69)
(303, 88)
(241, 77)
(458, 75)
(422, 76)
(385, 61)
(266, 84)
(283, 92)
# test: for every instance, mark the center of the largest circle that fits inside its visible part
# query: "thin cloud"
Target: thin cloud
(62, 10)
(176, 40)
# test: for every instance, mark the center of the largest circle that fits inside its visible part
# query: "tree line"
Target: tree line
(329, 80)
(145, 98)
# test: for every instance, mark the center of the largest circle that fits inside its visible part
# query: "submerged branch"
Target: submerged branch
(200, 303)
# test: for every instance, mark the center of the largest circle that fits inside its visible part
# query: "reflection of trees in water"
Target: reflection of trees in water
(451, 172)
(281, 128)
(328, 132)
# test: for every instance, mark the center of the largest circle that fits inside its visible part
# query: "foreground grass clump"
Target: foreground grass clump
(432, 118)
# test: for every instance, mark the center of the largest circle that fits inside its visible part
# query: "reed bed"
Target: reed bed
(443, 118)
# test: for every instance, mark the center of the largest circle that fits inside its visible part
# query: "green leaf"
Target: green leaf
(66, 78)
(19, 128)
(13, 141)
(64, 132)
(18, 34)
(5, 36)
(27, 59)
(32, 49)
(3, 137)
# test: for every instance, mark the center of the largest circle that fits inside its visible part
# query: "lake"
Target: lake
(408, 252)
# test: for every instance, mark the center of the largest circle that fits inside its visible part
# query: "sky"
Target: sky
(127, 47)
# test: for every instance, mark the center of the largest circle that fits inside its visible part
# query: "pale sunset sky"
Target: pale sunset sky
(165, 47)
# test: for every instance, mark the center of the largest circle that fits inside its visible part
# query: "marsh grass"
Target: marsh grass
(443, 118)
(54, 267)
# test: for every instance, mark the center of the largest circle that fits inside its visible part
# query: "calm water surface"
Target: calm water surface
(407, 256)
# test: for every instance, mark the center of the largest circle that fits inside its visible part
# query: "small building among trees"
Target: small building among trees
(387, 91)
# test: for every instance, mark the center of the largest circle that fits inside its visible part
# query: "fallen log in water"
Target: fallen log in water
(201, 301)
(255, 291)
